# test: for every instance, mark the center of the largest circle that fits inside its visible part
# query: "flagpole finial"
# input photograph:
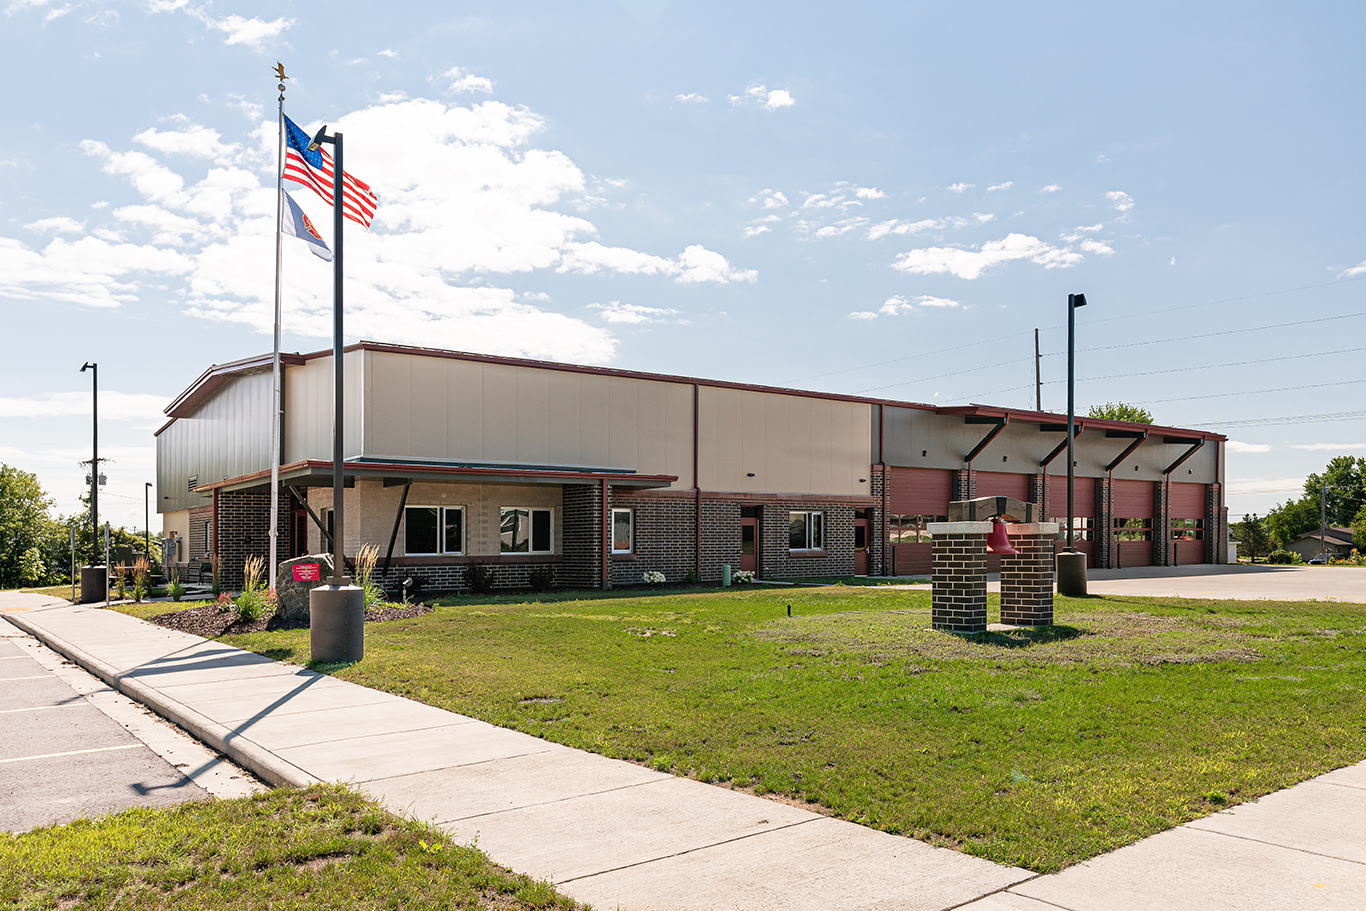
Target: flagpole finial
(279, 72)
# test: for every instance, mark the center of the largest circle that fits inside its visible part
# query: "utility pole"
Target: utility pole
(1038, 375)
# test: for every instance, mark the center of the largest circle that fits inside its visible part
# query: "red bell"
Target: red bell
(998, 542)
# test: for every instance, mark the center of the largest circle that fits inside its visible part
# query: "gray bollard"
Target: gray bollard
(1072, 574)
(336, 623)
(725, 575)
(94, 579)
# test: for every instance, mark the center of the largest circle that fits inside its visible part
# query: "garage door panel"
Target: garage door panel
(1187, 500)
(1002, 484)
(1083, 494)
(1135, 553)
(913, 559)
(1133, 499)
(920, 491)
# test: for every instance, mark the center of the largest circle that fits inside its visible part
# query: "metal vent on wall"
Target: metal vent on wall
(193, 483)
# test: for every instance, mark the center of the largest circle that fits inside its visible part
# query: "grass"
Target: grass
(1035, 749)
(322, 848)
(55, 591)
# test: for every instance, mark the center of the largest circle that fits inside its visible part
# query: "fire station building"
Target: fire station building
(591, 477)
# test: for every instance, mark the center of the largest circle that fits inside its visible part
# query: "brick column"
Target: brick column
(1038, 489)
(1104, 534)
(959, 598)
(1216, 524)
(1164, 553)
(878, 564)
(964, 485)
(1027, 577)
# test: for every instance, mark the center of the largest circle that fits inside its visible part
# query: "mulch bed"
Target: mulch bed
(208, 621)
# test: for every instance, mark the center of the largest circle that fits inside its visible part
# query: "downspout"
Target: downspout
(213, 545)
(606, 535)
(888, 560)
(696, 482)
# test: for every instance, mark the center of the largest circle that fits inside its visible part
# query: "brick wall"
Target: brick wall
(664, 537)
(244, 522)
(878, 532)
(964, 485)
(959, 599)
(201, 518)
(1027, 578)
(581, 540)
(776, 561)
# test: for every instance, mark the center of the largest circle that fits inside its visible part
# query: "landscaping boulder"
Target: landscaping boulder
(294, 579)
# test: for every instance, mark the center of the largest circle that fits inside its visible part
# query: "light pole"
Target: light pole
(336, 610)
(147, 521)
(94, 461)
(1071, 563)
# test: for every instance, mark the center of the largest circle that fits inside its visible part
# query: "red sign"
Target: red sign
(306, 572)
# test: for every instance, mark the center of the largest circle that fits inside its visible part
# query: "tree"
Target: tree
(1292, 519)
(23, 512)
(1359, 529)
(1345, 477)
(1252, 535)
(1118, 411)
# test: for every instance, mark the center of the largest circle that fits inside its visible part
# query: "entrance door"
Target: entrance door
(298, 538)
(860, 542)
(749, 538)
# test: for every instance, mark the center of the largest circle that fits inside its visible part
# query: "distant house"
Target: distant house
(1336, 541)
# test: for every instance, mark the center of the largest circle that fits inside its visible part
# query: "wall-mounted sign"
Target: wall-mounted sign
(306, 572)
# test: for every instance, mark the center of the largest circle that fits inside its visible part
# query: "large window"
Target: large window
(1083, 527)
(805, 530)
(1133, 529)
(1188, 529)
(911, 529)
(523, 530)
(433, 530)
(623, 531)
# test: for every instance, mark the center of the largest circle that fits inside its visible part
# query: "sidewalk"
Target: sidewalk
(619, 835)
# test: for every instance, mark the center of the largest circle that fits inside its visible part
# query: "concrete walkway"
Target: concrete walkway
(606, 832)
(618, 835)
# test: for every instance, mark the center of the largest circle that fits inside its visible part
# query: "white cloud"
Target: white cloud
(898, 304)
(1120, 201)
(869, 193)
(253, 32)
(692, 97)
(388, 52)
(1237, 446)
(755, 230)
(58, 224)
(838, 228)
(960, 187)
(1001, 186)
(770, 199)
(462, 81)
(632, 314)
(194, 140)
(462, 196)
(1331, 447)
(114, 406)
(896, 226)
(971, 263)
(1051, 188)
(1098, 247)
(760, 94)
(1358, 269)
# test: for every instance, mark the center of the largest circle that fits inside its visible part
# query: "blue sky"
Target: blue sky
(879, 198)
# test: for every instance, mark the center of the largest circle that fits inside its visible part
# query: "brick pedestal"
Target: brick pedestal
(959, 576)
(1027, 577)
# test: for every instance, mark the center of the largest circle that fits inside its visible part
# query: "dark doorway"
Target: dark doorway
(298, 533)
(861, 542)
(749, 538)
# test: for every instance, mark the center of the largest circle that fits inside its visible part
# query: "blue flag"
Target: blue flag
(295, 223)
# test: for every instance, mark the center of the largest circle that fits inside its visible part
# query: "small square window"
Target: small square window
(523, 530)
(622, 531)
(805, 530)
(429, 530)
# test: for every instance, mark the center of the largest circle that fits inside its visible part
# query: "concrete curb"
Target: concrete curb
(261, 762)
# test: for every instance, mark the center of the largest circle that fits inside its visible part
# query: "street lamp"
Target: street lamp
(1071, 563)
(95, 577)
(336, 610)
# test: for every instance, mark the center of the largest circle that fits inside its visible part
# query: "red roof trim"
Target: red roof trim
(409, 469)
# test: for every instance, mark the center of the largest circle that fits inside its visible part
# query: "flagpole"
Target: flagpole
(276, 411)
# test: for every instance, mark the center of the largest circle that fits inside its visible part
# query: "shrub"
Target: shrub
(653, 577)
(541, 578)
(256, 600)
(120, 580)
(1283, 556)
(141, 571)
(366, 559)
(479, 578)
(742, 576)
(176, 590)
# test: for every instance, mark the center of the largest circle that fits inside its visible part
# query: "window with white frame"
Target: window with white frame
(805, 530)
(623, 531)
(524, 530)
(429, 530)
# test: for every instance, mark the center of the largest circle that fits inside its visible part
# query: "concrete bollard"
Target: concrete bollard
(1072, 574)
(336, 623)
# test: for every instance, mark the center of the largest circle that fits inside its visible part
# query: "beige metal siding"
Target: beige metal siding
(228, 435)
(308, 408)
(444, 408)
(790, 444)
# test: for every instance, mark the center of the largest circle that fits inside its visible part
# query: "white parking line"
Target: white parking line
(39, 708)
(126, 746)
(12, 679)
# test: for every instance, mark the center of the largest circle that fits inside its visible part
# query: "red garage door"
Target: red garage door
(1083, 510)
(917, 496)
(1133, 522)
(1188, 522)
(1002, 484)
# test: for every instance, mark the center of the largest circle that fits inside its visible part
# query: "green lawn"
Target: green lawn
(1128, 718)
(324, 848)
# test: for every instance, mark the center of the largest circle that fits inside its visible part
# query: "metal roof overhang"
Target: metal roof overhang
(212, 379)
(1044, 418)
(318, 473)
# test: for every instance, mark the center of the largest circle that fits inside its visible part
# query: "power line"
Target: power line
(1220, 395)
(909, 357)
(943, 375)
(1291, 419)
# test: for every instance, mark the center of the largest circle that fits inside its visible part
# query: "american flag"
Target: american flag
(314, 170)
